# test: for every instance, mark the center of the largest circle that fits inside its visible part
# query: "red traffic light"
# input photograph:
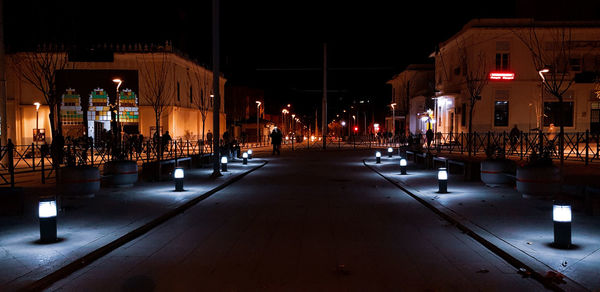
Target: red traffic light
(355, 129)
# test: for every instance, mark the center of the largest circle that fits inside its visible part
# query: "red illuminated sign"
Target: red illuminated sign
(502, 76)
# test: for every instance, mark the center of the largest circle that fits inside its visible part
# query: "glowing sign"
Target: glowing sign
(502, 76)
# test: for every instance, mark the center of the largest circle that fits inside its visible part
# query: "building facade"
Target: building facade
(497, 53)
(87, 88)
(412, 92)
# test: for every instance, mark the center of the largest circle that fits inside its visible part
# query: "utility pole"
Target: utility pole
(216, 91)
(324, 101)
(3, 119)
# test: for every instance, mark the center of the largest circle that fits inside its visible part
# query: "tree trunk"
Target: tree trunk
(470, 134)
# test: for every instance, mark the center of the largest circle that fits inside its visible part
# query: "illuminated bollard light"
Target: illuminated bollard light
(390, 151)
(403, 166)
(224, 163)
(378, 157)
(249, 153)
(443, 180)
(245, 158)
(47, 215)
(178, 176)
(561, 215)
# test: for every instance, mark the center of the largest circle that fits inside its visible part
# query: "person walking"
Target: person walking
(514, 137)
(276, 141)
(429, 136)
(209, 139)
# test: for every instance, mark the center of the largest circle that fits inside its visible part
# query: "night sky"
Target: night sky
(368, 41)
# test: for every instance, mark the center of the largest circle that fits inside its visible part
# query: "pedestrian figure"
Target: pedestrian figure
(276, 138)
(166, 139)
(429, 136)
(514, 136)
(209, 139)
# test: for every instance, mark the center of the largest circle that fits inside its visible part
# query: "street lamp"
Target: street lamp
(37, 115)
(178, 176)
(118, 104)
(443, 180)
(245, 158)
(258, 103)
(47, 215)
(377, 157)
(224, 163)
(390, 150)
(249, 153)
(562, 216)
(393, 105)
(403, 166)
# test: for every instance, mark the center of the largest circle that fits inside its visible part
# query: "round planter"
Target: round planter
(493, 172)
(121, 173)
(79, 181)
(538, 182)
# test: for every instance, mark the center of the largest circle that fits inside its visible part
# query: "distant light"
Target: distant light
(442, 174)
(502, 76)
(390, 150)
(424, 119)
(224, 159)
(250, 151)
(212, 95)
(244, 155)
(561, 213)
(47, 209)
(117, 80)
(37, 105)
(178, 173)
(343, 124)
(403, 162)
(377, 154)
(355, 129)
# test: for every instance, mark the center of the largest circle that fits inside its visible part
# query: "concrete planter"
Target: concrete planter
(121, 173)
(79, 181)
(538, 182)
(494, 172)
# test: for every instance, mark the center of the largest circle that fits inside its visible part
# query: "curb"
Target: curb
(484, 239)
(87, 259)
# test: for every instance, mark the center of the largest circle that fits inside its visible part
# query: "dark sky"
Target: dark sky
(375, 38)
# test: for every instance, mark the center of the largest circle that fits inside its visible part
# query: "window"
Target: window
(191, 95)
(575, 64)
(463, 115)
(501, 113)
(502, 61)
(552, 114)
(178, 92)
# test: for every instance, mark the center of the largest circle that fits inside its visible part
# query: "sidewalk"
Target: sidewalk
(523, 228)
(84, 225)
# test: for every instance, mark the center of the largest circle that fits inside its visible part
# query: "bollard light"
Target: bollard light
(443, 180)
(224, 163)
(561, 215)
(403, 166)
(390, 151)
(249, 153)
(245, 158)
(178, 176)
(47, 214)
(378, 157)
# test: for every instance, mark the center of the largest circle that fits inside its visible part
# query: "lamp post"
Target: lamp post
(257, 121)
(245, 158)
(443, 180)
(390, 150)
(377, 157)
(249, 153)
(37, 116)
(403, 166)
(47, 215)
(224, 164)
(393, 105)
(118, 105)
(541, 127)
(178, 176)
(562, 216)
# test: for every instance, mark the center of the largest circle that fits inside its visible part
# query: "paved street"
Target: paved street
(307, 221)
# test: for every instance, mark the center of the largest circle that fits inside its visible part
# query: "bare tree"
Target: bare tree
(551, 52)
(203, 100)
(475, 72)
(155, 68)
(39, 68)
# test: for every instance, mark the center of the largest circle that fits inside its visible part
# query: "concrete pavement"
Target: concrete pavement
(85, 225)
(308, 221)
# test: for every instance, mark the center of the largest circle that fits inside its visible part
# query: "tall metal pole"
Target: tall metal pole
(3, 119)
(217, 92)
(257, 123)
(324, 101)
